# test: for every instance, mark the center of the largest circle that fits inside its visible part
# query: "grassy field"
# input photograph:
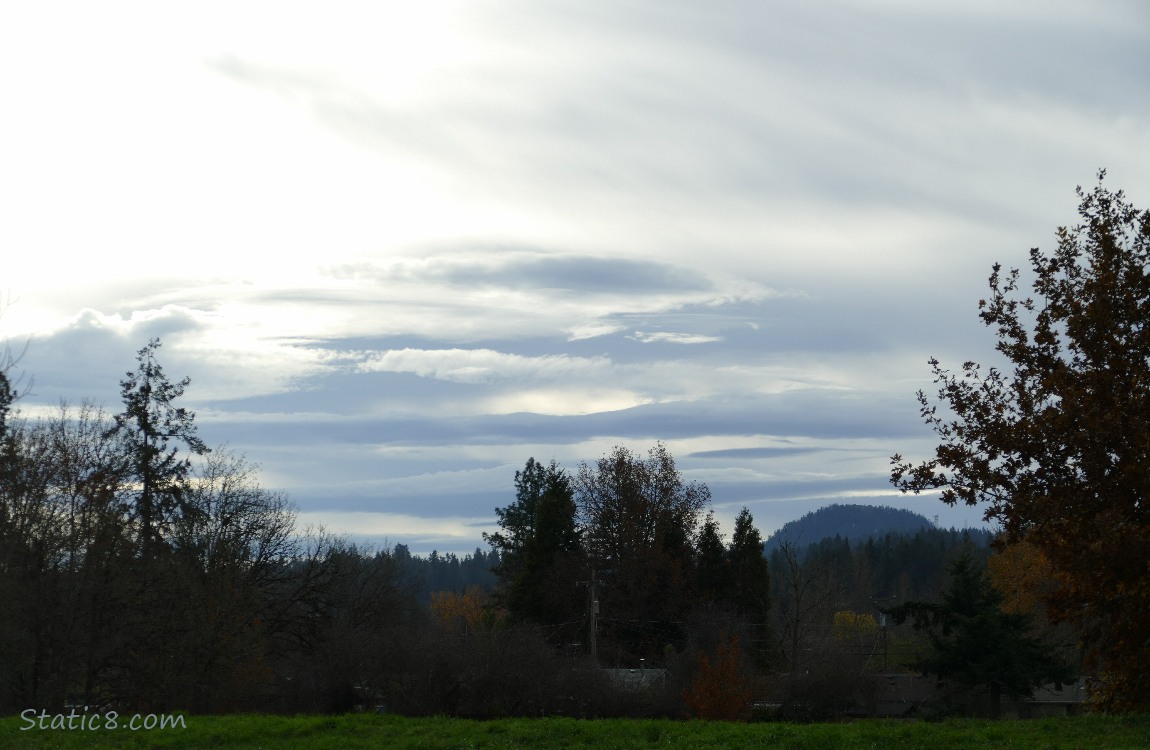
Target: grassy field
(370, 731)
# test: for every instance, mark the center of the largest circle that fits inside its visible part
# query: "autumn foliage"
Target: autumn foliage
(1058, 448)
(468, 612)
(1023, 576)
(721, 687)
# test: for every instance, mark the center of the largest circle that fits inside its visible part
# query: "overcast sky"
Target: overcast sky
(402, 247)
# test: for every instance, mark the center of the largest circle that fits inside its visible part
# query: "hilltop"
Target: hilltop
(851, 522)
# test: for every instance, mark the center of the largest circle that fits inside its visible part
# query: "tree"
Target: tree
(628, 503)
(976, 644)
(149, 424)
(9, 389)
(64, 554)
(712, 573)
(801, 586)
(1059, 448)
(230, 546)
(720, 688)
(854, 629)
(468, 612)
(1023, 576)
(639, 521)
(751, 578)
(6, 399)
(541, 556)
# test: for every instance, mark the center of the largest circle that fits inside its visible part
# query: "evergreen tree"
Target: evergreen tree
(976, 644)
(712, 568)
(149, 425)
(6, 398)
(541, 557)
(750, 576)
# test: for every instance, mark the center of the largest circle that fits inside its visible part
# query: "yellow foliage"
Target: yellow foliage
(852, 627)
(467, 611)
(1023, 576)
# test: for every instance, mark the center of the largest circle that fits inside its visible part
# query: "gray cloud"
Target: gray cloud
(870, 104)
(537, 273)
(752, 453)
(741, 228)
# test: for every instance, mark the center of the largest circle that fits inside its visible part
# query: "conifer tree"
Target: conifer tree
(712, 565)
(750, 577)
(150, 427)
(977, 644)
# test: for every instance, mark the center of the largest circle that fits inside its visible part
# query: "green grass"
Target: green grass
(371, 731)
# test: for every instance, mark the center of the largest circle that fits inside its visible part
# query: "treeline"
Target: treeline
(937, 602)
(445, 572)
(866, 574)
(141, 570)
(623, 560)
(813, 583)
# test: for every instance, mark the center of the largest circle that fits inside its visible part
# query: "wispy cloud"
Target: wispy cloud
(388, 243)
(674, 338)
(482, 365)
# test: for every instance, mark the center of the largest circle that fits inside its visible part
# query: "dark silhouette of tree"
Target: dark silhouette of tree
(750, 577)
(976, 644)
(1059, 448)
(149, 426)
(712, 565)
(541, 556)
(639, 521)
(6, 399)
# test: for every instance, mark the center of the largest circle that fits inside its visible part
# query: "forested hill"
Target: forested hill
(850, 522)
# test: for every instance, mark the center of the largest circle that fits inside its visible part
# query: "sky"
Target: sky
(400, 248)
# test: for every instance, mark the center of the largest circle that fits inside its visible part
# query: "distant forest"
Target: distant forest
(851, 522)
(447, 572)
(871, 553)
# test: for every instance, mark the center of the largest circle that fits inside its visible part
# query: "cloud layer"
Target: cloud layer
(401, 250)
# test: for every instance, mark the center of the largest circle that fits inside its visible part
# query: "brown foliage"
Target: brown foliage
(720, 689)
(1059, 449)
(1023, 576)
(469, 612)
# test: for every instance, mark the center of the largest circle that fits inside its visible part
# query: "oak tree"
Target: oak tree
(1058, 446)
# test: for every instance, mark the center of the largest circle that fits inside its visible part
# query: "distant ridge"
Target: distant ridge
(851, 522)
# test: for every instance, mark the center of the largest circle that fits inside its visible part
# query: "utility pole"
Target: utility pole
(882, 620)
(592, 588)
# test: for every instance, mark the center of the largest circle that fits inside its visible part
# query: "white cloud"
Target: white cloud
(481, 365)
(396, 525)
(592, 330)
(310, 205)
(674, 338)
